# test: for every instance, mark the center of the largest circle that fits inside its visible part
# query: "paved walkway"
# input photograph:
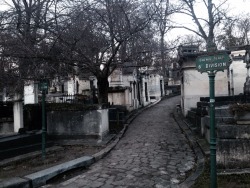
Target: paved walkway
(152, 153)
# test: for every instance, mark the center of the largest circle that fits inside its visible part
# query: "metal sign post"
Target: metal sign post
(213, 169)
(43, 86)
(212, 64)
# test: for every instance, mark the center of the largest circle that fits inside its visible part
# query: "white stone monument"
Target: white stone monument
(18, 112)
(30, 93)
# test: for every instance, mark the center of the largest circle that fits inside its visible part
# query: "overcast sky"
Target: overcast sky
(235, 7)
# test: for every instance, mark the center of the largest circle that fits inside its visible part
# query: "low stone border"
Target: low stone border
(197, 150)
(15, 182)
(41, 177)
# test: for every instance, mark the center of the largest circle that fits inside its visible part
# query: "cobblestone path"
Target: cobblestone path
(152, 153)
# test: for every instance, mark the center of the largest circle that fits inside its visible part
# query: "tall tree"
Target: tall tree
(44, 38)
(228, 38)
(207, 22)
(235, 32)
(93, 37)
(26, 42)
(163, 11)
(244, 27)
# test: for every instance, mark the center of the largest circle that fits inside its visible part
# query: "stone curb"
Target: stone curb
(15, 182)
(41, 177)
(197, 150)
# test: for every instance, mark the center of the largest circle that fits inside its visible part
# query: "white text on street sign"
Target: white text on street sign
(212, 62)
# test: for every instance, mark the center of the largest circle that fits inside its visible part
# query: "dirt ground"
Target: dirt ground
(37, 163)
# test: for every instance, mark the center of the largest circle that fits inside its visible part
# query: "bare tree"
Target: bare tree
(192, 39)
(228, 37)
(26, 42)
(206, 23)
(162, 18)
(244, 27)
(235, 32)
(44, 38)
(95, 33)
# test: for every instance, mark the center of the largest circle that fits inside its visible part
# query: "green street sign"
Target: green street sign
(217, 62)
(43, 86)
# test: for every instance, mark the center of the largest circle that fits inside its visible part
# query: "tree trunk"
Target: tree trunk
(211, 46)
(103, 86)
(163, 63)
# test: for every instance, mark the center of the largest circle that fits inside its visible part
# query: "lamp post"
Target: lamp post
(43, 86)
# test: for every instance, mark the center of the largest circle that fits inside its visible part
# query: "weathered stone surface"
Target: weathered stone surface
(73, 123)
(222, 111)
(41, 177)
(15, 182)
(233, 131)
(6, 126)
(233, 142)
(233, 153)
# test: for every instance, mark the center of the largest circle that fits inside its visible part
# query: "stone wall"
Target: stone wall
(92, 123)
(6, 126)
(233, 149)
(233, 141)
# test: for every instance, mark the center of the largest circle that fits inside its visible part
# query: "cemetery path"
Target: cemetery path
(153, 153)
